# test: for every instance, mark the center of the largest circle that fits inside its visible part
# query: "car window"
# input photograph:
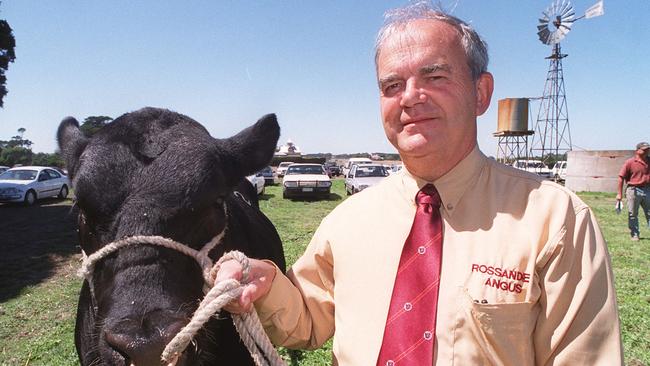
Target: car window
(43, 176)
(53, 174)
(305, 169)
(21, 174)
(370, 171)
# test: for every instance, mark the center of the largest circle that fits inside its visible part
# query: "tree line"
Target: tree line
(18, 150)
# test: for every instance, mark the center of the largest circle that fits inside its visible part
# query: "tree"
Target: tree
(11, 156)
(92, 124)
(7, 55)
(45, 159)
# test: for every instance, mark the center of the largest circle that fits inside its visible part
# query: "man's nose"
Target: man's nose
(412, 95)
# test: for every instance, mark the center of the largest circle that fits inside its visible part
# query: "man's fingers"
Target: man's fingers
(229, 270)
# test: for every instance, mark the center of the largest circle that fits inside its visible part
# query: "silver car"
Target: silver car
(30, 183)
(363, 176)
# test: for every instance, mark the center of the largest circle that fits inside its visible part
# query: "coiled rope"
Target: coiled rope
(248, 325)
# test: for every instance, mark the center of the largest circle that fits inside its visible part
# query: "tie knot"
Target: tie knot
(428, 195)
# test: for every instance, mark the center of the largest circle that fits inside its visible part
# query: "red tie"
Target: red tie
(410, 330)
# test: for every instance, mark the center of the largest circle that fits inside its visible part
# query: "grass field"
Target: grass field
(37, 317)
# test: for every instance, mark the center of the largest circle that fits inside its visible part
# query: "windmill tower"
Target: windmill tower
(552, 133)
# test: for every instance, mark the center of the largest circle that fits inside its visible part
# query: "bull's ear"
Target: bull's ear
(252, 149)
(72, 143)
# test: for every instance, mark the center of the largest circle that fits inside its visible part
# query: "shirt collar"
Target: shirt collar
(452, 185)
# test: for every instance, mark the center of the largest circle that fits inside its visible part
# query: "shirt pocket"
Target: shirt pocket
(494, 334)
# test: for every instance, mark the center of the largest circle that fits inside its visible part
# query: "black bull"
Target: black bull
(156, 172)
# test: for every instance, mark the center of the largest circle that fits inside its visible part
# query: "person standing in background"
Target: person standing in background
(636, 173)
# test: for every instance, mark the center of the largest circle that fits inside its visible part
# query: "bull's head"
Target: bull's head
(152, 172)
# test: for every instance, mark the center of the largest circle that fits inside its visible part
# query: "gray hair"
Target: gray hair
(474, 46)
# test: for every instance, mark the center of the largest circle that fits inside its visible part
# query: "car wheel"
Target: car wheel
(30, 198)
(63, 193)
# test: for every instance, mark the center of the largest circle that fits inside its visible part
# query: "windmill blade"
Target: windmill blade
(544, 36)
(565, 8)
(595, 10)
(568, 14)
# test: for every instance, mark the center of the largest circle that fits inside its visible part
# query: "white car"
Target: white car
(306, 180)
(30, 183)
(533, 166)
(364, 176)
(558, 173)
(348, 166)
(257, 180)
(282, 168)
(395, 168)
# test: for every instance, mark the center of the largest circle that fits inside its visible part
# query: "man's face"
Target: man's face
(429, 101)
(643, 152)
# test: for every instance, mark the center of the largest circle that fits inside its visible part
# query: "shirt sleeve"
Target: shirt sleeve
(578, 323)
(298, 312)
(625, 171)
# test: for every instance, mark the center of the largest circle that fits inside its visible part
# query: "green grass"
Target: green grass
(631, 263)
(36, 326)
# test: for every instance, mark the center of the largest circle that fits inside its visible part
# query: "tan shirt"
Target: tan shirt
(526, 278)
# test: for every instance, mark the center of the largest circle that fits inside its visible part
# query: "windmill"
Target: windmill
(552, 134)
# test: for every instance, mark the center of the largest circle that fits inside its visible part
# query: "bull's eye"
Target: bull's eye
(87, 237)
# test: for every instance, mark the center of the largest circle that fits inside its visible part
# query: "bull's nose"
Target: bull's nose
(142, 341)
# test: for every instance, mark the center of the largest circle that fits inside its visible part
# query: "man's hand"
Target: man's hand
(618, 197)
(261, 276)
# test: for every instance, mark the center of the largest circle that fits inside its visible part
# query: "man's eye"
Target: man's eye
(391, 88)
(435, 77)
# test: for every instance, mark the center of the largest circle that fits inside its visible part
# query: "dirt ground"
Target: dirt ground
(35, 243)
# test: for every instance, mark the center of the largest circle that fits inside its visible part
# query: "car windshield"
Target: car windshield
(370, 171)
(267, 170)
(22, 174)
(536, 164)
(305, 169)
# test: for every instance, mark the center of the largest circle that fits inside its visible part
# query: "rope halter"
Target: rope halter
(218, 295)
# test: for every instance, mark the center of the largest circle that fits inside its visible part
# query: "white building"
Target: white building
(289, 149)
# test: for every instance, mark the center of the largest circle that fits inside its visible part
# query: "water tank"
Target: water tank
(595, 171)
(513, 115)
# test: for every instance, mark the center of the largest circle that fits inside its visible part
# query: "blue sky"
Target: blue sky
(226, 63)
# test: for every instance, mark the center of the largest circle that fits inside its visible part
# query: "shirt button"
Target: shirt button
(428, 335)
(390, 363)
(450, 206)
(422, 249)
(408, 306)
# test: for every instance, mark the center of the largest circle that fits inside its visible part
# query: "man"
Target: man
(525, 277)
(636, 172)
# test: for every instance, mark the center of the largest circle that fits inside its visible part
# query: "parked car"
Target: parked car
(306, 180)
(30, 183)
(282, 168)
(269, 177)
(333, 170)
(364, 176)
(395, 168)
(558, 172)
(533, 166)
(3, 168)
(352, 161)
(258, 181)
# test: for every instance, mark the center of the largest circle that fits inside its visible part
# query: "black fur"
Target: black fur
(156, 172)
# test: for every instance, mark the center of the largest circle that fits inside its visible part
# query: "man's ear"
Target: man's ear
(484, 88)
